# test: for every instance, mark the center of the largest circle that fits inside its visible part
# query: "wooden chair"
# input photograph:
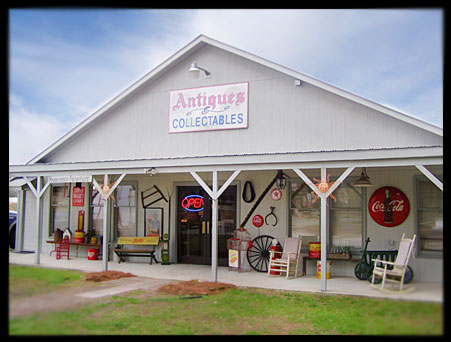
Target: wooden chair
(286, 262)
(63, 248)
(394, 272)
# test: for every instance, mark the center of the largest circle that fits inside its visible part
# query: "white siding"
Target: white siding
(282, 118)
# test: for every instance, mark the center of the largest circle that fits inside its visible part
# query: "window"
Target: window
(305, 215)
(125, 210)
(429, 217)
(96, 212)
(346, 217)
(60, 204)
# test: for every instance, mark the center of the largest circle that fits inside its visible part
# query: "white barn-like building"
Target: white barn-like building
(244, 121)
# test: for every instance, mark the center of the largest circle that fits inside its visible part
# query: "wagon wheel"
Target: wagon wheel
(258, 253)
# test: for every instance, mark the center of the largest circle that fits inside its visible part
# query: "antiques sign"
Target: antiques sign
(388, 206)
(209, 108)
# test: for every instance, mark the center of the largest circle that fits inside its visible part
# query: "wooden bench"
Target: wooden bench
(121, 252)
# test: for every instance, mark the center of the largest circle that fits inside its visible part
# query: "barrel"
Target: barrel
(318, 269)
(314, 249)
(79, 237)
(93, 253)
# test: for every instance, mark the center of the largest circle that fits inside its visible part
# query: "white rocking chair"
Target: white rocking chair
(286, 262)
(397, 273)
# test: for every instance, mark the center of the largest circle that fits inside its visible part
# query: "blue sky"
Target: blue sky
(65, 64)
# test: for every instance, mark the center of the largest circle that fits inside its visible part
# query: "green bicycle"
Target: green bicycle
(364, 269)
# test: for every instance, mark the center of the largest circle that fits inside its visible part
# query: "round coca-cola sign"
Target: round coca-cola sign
(388, 206)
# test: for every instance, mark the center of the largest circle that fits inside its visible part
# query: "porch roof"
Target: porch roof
(383, 157)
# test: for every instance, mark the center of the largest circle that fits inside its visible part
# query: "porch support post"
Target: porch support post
(106, 215)
(20, 220)
(214, 235)
(106, 212)
(37, 254)
(431, 177)
(38, 192)
(214, 193)
(323, 243)
(323, 227)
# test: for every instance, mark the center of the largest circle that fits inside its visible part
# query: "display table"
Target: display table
(92, 245)
(304, 261)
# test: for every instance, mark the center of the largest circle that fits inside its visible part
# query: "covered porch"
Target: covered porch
(220, 172)
(336, 285)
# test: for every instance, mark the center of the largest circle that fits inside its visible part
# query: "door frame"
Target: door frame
(174, 232)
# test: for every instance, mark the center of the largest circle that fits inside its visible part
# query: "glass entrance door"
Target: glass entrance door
(194, 227)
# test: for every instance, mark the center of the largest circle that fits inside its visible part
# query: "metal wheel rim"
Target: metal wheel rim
(258, 255)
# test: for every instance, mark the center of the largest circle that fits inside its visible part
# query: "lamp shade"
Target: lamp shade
(364, 180)
(194, 71)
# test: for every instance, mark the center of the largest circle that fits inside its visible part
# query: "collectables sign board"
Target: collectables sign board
(209, 108)
(388, 206)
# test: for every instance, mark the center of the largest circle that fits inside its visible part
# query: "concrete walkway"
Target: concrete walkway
(429, 292)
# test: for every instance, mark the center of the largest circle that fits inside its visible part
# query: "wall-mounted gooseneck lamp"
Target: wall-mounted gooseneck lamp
(194, 71)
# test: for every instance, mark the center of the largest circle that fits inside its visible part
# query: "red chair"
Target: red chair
(63, 248)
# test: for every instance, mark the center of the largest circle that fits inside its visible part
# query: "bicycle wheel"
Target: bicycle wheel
(408, 276)
(258, 254)
(362, 270)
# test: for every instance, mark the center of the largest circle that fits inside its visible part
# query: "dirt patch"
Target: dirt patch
(195, 287)
(107, 275)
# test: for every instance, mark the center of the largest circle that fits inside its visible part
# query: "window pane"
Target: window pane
(60, 218)
(430, 216)
(430, 224)
(347, 228)
(429, 196)
(125, 196)
(301, 197)
(305, 223)
(305, 215)
(97, 221)
(346, 219)
(126, 221)
(347, 197)
(60, 208)
(126, 210)
(60, 195)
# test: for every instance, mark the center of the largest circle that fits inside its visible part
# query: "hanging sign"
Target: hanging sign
(193, 203)
(388, 206)
(70, 179)
(276, 194)
(209, 108)
(257, 220)
(78, 196)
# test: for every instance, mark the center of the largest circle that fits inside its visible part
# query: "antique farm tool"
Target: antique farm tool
(271, 213)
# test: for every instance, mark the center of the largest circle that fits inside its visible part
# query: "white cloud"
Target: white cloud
(30, 132)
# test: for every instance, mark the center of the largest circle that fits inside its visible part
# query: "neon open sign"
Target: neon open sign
(193, 203)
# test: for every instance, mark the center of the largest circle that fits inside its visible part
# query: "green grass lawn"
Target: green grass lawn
(239, 311)
(29, 280)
